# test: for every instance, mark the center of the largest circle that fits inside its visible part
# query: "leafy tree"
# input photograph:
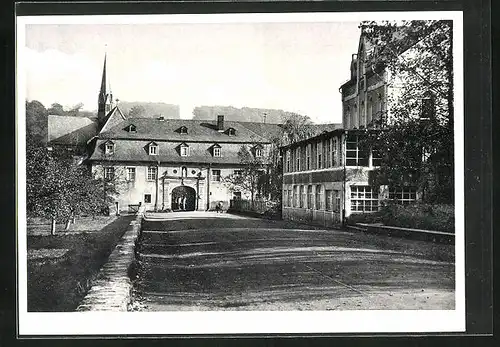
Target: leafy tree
(296, 127)
(56, 109)
(251, 177)
(36, 121)
(137, 111)
(59, 190)
(416, 140)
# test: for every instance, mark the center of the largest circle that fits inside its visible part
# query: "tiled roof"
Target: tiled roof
(197, 130)
(137, 150)
(70, 130)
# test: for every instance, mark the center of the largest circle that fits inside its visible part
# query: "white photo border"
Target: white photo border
(239, 322)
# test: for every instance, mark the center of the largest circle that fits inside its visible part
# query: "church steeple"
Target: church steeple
(105, 100)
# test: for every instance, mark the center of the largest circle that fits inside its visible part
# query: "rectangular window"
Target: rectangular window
(308, 157)
(403, 196)
(297, 158)
(328, 153)
(109, 173)
(184, 151)
(216, 175)
(329, 200)
(287, 161)
(319, 197)
(301, 204)
(152, 173)
(131, 174)
(336, 200)
(290, 197)
(355, 156)
(217, 152)
(285, 197)
(318, 151)
(147, 198)
(364, 199)
(258, 152)
(153, 150)
(334, 152)
(310, 197)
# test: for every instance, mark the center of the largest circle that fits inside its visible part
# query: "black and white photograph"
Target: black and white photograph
(240, 173)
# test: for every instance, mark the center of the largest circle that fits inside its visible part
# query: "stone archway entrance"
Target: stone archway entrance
(183, 199)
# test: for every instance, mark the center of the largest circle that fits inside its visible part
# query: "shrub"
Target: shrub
(416, 216)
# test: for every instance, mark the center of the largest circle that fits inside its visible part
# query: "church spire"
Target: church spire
(105, 102)
(102, 93)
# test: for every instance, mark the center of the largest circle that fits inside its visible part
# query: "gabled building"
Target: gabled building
(176, 164)
(326, 178)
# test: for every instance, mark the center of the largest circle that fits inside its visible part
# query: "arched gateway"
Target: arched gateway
(183, 199)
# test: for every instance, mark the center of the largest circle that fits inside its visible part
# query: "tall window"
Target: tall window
(310, 197)
(302, 195)
(328, 200)
(285, 197)
(364, 199)
(109, 173)
(297, 158)
(287, 154)
(334, 152)
(403, 196)
(328, 151)
(319, 197)
(152, 173)
(320, 157)
(290, 197)
(131, 174)
(296, 196)
(336, 200)
(216, 175)
(355, 156)
(308, 156)
(217, 152)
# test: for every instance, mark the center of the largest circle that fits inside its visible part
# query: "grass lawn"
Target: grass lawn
(61, 267)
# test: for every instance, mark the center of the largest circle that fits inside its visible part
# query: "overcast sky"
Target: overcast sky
(296, 67)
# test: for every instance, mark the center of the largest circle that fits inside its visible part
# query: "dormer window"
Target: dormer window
(231, 132)
(153, 148)
(109, 147)
(258, 151)
(183, 130)
(216, 150)
(184, 150)
(131, 128)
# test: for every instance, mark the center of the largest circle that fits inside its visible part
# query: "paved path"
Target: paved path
(209, 261)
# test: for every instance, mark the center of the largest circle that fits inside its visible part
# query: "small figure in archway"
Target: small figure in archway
(179, 203)
(184, 198)
(218, 207)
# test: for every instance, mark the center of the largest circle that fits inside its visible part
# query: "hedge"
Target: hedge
(415, 216)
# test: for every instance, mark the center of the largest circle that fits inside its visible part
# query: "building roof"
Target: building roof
(136, 151)
(197, 131)
(70, 130)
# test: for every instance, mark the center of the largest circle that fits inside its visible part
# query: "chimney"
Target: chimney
(220, 123)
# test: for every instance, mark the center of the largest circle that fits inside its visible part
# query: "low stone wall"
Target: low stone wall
(112, 289)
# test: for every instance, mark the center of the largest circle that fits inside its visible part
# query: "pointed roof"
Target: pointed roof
(103, 93)
(113, 118)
